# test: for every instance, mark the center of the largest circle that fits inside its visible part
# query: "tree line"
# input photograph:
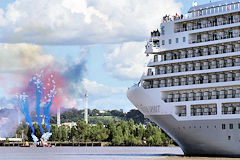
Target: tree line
(74, 115)
(122, 133)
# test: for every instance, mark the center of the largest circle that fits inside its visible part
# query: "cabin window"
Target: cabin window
(204, 12)
(208, 11)
(236, 6)
(220, 9)
(224, 8)
(212, 10)
(184, 39)
(163, 30)
(170, 41)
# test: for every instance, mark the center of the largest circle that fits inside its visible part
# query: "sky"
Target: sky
(97, 45)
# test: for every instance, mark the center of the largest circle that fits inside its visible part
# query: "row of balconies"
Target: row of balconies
(205, 23)
(209, 109)
(231, 108)
(216, 9)
(195, 66)
(196, 52)
(213, 36)
(201, 110)
(202, 95)
(191, 80)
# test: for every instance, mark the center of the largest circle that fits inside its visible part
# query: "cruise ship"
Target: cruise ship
(192, 85)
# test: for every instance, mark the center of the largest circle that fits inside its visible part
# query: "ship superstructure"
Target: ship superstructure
(192, 86)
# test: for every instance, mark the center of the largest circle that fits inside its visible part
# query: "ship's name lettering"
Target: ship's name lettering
(149, 109)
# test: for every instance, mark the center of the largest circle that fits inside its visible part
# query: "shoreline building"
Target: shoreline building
(192, 87)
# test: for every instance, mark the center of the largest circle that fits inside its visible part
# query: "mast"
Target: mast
(86, 108)
(58, 116)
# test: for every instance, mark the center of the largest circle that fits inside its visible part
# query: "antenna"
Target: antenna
(195, 3)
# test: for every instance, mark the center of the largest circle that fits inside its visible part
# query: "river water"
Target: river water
(96, 153)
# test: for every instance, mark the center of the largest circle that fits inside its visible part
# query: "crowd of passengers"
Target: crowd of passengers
(168, 18)
(155, 33)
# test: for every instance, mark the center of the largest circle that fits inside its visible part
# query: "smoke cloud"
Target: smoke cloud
(26, 59)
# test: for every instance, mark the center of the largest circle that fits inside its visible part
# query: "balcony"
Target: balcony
(192, 27)
(203, 95)
(152, 49)
(215, 36)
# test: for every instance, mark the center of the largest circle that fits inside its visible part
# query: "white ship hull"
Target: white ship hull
(192, 85)
(201, 136)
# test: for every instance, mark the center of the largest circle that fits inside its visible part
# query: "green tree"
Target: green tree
(60, 133)
(54, 131)
(150, 140)
(95, 112)
(99, 132)
(82, 131)
(136, 115)
(111, 130)
(148, 130)
(118, 138)
(65, 133)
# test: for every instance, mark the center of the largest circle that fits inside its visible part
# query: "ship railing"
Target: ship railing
(203, 113)
(208, 53)
(192, 41)
(170, 100)
(212, 24)
(198, 14)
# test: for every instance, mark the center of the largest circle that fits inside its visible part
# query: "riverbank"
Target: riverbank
(71, 144)
(98, 153)
(56, 144)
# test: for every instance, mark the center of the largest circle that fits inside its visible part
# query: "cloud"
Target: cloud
(82, 22)
(22, 57)
(98, 90)
(127, 61)
(110, 103)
